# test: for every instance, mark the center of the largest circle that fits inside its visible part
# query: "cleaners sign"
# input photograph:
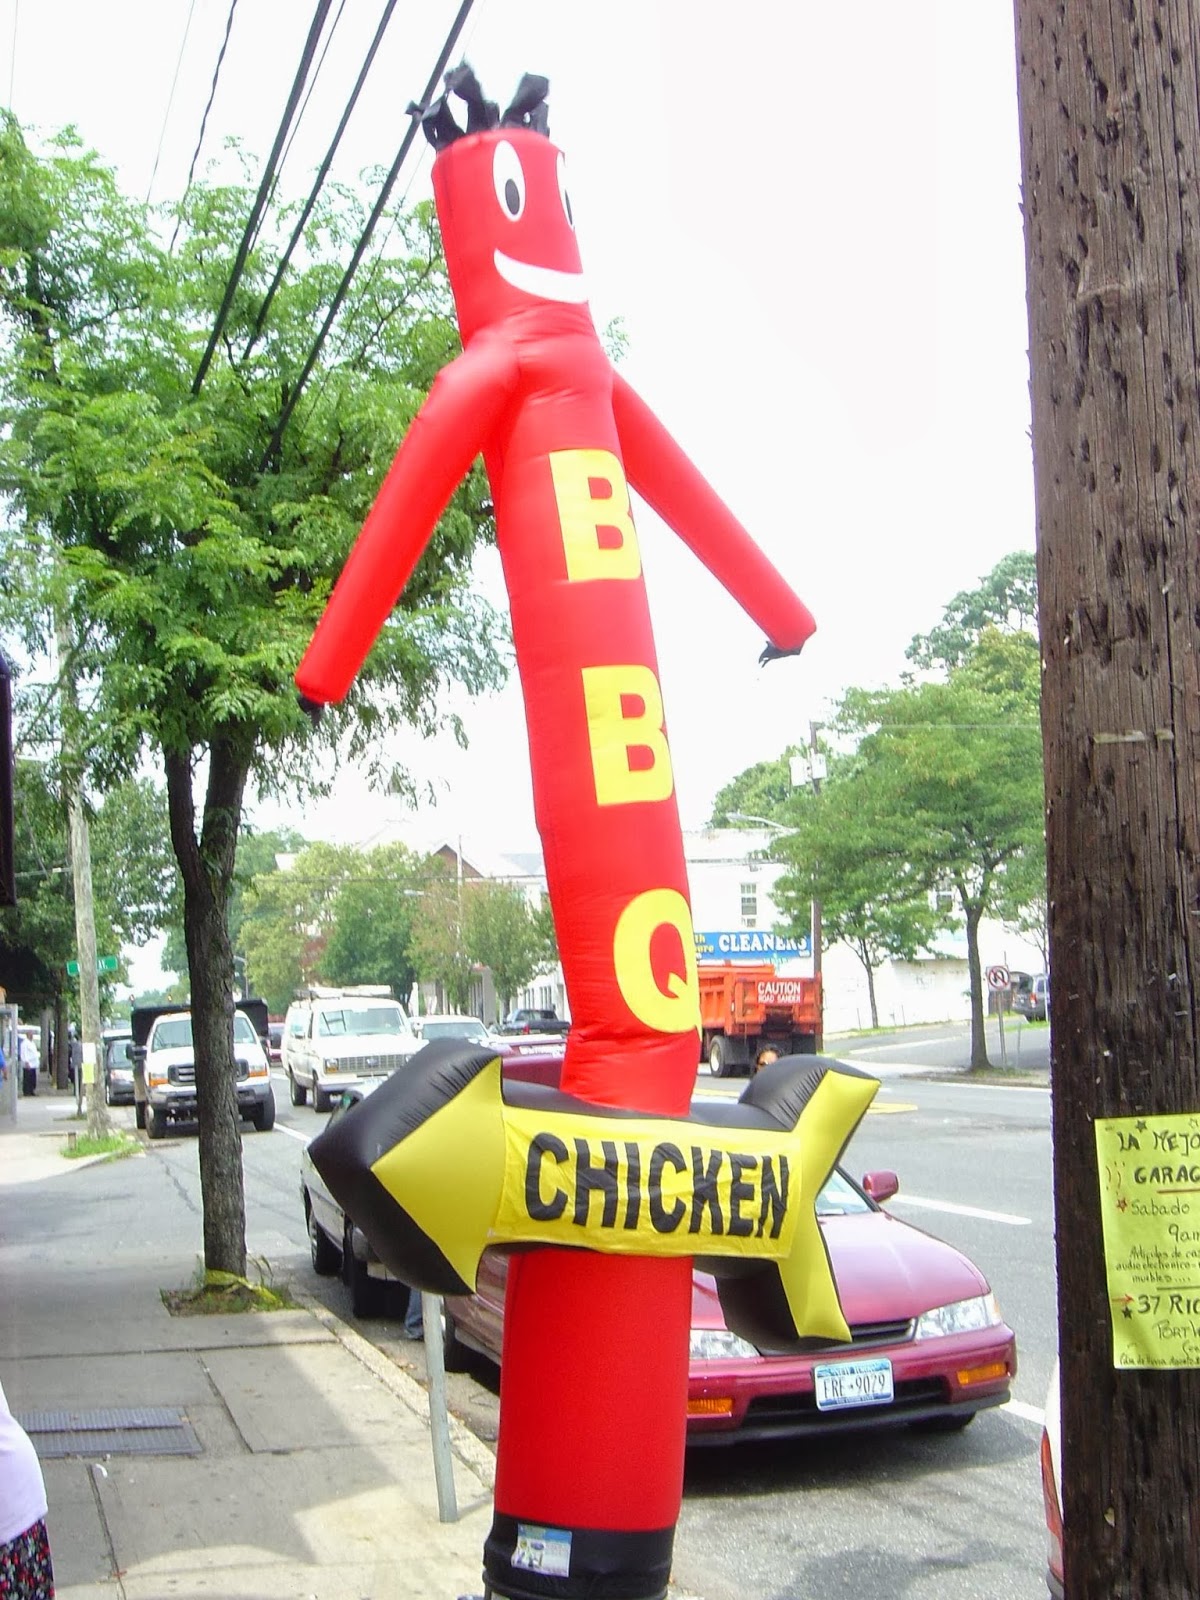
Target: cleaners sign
(751, 944)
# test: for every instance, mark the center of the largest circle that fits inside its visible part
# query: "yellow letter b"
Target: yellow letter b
(625, 715)
(583, 512)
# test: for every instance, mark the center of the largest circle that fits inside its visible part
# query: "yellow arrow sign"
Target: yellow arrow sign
(478, 1165)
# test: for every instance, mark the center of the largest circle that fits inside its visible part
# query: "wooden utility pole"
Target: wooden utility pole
(91, 1066)
(1110, 149)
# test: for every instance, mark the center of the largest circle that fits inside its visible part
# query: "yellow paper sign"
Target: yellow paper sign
(1150, 1209)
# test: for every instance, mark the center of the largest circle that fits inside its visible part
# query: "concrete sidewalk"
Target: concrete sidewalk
(266, 1456)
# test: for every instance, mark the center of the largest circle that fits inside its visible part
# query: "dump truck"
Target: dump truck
(744, 1008)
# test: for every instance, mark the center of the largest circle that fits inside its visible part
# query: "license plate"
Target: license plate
(853, 1383)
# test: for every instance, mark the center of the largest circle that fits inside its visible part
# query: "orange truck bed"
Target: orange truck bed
(743, 1008)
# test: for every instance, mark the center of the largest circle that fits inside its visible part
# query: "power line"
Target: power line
(314, 33)
(380, 253)
(464, 11)
(204, 119)
(322, 173)
(309, 92)
(302, 113)
(170, 100)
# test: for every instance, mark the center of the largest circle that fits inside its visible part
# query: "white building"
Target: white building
(731, 882)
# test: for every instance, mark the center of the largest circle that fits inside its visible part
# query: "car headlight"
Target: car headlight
(718, 1344)
(961, 1317)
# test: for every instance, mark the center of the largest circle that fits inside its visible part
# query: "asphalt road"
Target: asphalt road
(886, 1514)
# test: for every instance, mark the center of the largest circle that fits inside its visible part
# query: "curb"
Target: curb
(469, 1449)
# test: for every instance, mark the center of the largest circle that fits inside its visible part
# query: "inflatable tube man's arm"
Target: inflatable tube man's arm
(445, 436)
(668, 481)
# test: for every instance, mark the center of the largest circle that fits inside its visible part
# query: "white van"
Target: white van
(337, 1039)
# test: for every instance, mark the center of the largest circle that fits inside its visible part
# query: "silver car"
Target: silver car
(335, 1244)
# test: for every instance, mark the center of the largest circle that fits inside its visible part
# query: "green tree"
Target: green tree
(1005, 600)
(288, 916)
(547, 934)
(133, 876)
(372, 919)
(134, 871)
(956, 769)
(504, 932)
(256, 855)
(763, 790)
(845, 852)
(37, 936)
(191, 549)
(438, 946)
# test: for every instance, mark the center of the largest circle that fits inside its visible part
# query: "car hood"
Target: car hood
(885, 1270)
(178, 1055)
(371, 1044)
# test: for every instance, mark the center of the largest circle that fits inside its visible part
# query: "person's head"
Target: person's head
(765, 1057)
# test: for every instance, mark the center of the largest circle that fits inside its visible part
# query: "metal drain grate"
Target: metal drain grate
(142, 1431)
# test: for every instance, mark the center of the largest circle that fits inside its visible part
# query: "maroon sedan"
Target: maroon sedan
(928, 1343)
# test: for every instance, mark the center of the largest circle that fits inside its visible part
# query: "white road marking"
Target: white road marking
(885, 1049)
(1009, 1088)
(292, 1133)
(1033, 1414)
(961, 1211)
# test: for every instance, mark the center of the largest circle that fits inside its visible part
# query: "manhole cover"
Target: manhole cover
(142, 1431)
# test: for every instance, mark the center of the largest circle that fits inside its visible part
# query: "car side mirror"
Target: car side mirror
(138, 1055)
(881, 1186)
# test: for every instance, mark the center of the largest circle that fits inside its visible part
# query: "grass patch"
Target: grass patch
(114, 1145)
(216, 1294)
(1021, 1076)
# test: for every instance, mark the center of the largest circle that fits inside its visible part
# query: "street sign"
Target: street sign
(998, 978)
(103, 964)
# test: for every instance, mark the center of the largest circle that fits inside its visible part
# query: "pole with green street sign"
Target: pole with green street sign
(103, 964)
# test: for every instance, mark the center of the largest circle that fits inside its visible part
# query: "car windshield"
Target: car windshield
(118, 1051)
(175, 1033)
(839, 1197)
(454, 1029)
(354, 1021)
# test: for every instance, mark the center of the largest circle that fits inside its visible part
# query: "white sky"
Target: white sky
(808, 218)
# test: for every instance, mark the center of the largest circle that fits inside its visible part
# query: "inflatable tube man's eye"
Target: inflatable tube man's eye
(562, 189)
(509, 180)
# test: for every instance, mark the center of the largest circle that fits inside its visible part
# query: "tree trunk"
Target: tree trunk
(1110, 149)
(860, 950)
(206, 866)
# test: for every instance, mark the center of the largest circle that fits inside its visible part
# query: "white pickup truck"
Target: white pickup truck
(338, 1039)
(169, 1065)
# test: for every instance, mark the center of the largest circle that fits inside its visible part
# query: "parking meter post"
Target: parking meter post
(439, 1419)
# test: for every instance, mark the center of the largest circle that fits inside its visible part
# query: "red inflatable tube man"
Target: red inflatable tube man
(594, 1373)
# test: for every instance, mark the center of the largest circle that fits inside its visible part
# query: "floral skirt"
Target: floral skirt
(25, 1569)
